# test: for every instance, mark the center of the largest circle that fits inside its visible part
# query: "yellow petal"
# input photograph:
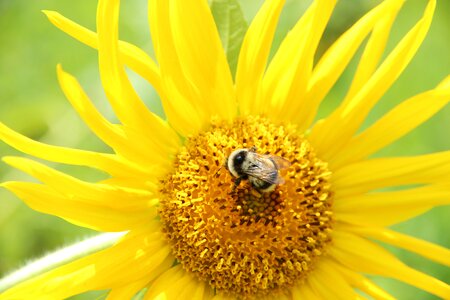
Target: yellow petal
(102, 161)
(136, 183)
(336, 59)
(164, 284)
(304, 291)
(360, 282)
(127, 105)
(76, 211)
(128, 291)
(176, 283)
(221, 296)
(424, 248)
(196, 289)
(396, 123)
(131, 55)
(141, 254)
(253, 57)
(181, 102)
(358, 178)
(297, 105)
(329, 284)
(388, 208)
(105, 195)
(120, 138)
(287, 76)
(284, 296)
(206, 67)
(110, 133)
(347, 118)
(278, 79)
(363, 256)
(372, 52)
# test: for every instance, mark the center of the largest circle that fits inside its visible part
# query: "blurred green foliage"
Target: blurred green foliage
(32, 103)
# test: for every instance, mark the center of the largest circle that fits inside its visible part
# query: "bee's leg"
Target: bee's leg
(215, 175)
(237, 182)
(252, 149)
(224, 165)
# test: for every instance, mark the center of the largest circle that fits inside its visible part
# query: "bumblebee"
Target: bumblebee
(261, 170)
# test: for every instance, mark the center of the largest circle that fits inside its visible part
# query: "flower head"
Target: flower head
(197, 230)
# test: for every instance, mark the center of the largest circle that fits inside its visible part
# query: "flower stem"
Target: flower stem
(60, 257)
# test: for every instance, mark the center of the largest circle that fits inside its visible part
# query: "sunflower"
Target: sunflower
(192, 232)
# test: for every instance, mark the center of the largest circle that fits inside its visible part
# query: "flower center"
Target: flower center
(243, 241)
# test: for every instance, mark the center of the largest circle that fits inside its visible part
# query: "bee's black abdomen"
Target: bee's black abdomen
(264, 185)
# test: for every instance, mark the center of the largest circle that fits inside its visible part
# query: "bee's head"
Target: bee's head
(235, 161)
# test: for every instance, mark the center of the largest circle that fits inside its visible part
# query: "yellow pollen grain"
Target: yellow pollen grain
(244, 242)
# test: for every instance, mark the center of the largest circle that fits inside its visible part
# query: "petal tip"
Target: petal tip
(50, 14)
(13, 160)
(445, 84)
(4, 185)
(59, 69)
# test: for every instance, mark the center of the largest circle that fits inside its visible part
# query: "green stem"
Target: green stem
(59, 257)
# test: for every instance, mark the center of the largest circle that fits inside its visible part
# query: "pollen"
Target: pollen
(244, 242)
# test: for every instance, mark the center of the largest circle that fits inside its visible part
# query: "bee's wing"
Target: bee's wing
(263, 169)
(280, 163)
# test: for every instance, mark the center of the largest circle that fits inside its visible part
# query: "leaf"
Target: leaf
(232, 26)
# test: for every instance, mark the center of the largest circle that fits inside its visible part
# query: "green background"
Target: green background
(32, 103)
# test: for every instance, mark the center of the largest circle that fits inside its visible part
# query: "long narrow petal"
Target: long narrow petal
(176, 283)
(287, 76)
(304, 291)
(105, 195)
(131, 55)
(164, 284)
(426, 249)
(361, 282)
(373, 52)
(329, 284)
(109, 133)
(128, 291)
(182, 101)
(393, 125)
(206, 67)
(221, 296)
(348, 117)
(336, 59)
(363, 256)
(106, 162)
(126, 103)
(82, 213)
(253, 56)
(116, 136)
(139, 255)
(388, 208)
(358, 178)
(298, 112)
